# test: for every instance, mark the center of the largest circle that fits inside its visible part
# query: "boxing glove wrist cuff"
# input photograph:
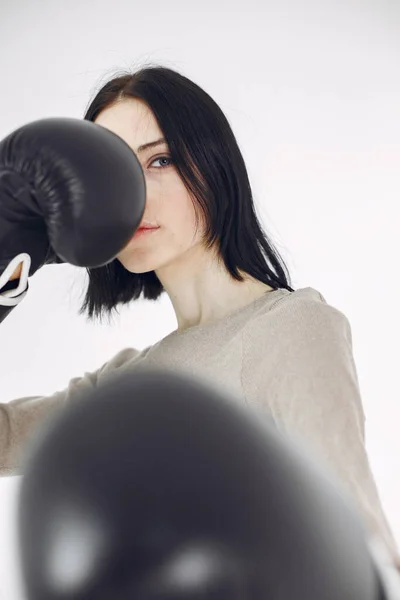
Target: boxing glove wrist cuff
(8, 297)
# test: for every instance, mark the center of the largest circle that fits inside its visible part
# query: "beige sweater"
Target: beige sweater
(287, 355)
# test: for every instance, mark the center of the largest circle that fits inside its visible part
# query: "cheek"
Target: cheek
(181, 228)
(174, 208)
(178, 206)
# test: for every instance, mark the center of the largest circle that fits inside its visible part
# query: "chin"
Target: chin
(135, 266)
(137, 270)
(137, 261)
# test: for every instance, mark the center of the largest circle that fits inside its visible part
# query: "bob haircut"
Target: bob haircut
(206, 155)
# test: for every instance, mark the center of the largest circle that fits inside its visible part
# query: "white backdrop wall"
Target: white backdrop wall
(312, 91)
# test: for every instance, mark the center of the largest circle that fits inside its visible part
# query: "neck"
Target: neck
(208, 294)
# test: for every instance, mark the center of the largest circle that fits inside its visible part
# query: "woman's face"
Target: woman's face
(168, 203)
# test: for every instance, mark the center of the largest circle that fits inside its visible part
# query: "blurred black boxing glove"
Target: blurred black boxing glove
(156, 487)
(70, 191)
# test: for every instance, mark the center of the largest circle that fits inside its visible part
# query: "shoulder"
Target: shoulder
(297, 352)
(303, 314)
(299, 330)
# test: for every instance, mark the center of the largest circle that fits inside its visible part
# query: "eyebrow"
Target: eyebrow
(151, 144)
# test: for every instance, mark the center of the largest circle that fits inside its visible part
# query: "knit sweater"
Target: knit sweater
(287, 356)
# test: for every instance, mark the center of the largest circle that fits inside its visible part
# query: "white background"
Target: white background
(312, 91)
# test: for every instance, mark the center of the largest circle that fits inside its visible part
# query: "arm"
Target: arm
(299, 367)
(20, 419)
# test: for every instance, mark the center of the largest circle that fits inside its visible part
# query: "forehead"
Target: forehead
(132, 120)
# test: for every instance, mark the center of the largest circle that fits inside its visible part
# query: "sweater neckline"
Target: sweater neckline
(225, 319)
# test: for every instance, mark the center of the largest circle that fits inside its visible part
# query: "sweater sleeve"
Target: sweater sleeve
(298, 367)
(21, 418)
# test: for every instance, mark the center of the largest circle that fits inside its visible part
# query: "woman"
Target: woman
(240, 325)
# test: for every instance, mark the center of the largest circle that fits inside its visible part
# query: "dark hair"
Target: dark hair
(206, 155)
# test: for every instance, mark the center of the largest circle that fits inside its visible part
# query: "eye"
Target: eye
(168, 158)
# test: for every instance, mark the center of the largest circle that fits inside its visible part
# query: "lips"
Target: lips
(142, 230)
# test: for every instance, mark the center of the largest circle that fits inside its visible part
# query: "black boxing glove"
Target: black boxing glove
(154, 486)
(70, 191)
